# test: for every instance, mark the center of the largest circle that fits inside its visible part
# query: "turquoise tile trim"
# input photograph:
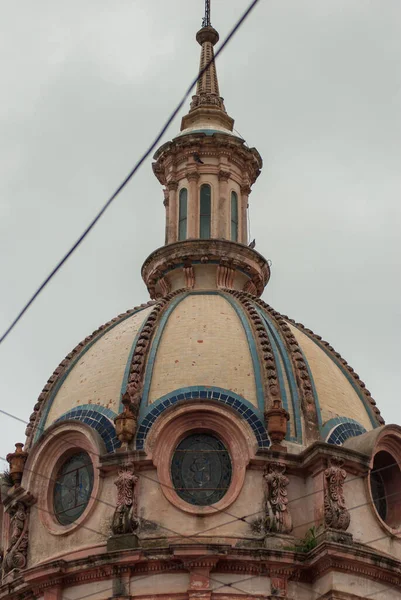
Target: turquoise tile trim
(279, 349)
(60, 382)
(98, 418)
(349, 378)
(153, 351)
(207, 393)
(252, 348)
(331, 424)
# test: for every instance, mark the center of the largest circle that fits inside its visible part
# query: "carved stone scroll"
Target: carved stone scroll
(278, 518)
(125, 519)
(336, 514)
(15, 556)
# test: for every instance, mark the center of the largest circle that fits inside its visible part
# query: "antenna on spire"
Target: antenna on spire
(206, 19)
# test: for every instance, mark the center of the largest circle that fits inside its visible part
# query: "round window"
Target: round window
(73, 488)
(201, 469)
(385, 486)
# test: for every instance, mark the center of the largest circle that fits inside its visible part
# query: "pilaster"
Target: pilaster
(172, 187)
(193, 204)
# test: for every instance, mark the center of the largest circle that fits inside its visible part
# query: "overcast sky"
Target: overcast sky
(314, 85)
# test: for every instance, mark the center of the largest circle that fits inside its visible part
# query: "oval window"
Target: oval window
(73, 488)
(385, 487)
(201, 469)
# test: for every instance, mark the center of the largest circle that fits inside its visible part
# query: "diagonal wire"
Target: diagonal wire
(235, 517)
(139, 163)
(222, 584)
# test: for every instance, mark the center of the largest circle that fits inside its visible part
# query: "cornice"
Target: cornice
(326, 557)
(229, 254)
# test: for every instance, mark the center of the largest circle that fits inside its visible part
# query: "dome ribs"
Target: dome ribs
(271, 383)
(141, 352)
(63, 367)
(300, 368)
(337, 355)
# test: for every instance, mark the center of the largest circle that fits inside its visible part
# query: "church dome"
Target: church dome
(223, 346)
(202, 441)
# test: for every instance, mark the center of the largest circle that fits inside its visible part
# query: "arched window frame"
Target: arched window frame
(182, 214)
(205, 212)
(234, 216)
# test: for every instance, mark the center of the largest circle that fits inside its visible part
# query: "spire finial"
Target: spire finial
(207, 105)
(206, 19)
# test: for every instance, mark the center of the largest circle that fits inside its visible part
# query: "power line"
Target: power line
(212, 578)
(145, 155)
(235, 518)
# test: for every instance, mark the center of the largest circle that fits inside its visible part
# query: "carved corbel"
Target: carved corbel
(125, 519)
(224, 175)
(250, 288)
(189, 274)
(172, 186)
(336, 515)
(165, 286)
(192, 175)
(277, 515)
(225, 274)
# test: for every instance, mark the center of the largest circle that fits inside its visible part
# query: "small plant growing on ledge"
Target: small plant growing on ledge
(5, 479)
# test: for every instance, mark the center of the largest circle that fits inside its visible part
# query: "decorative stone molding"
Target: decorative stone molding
(164, 286)
(241, 259)
(125, 519)
(139, 357)
(246, 189)
(271, 388)
(189, 274)
(277, 515)
(299, 365)
(224, 175)
(15, 556)
(250, 287)
(166, 197)
(172, 186)
(337, 356)
(172, 426)
(192, 176)
(336, 514)
(225, 274)
(247, 161)
(63, 367)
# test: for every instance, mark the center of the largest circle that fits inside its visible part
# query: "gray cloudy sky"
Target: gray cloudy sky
(85, 85)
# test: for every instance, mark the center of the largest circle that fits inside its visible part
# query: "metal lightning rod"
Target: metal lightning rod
(206, 19)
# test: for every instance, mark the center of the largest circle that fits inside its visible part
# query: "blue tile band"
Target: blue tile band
(98, 418)
(339, 429)
(245, 409)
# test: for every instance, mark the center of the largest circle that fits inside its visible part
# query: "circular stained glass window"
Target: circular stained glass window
(73, 488)
(201, 469)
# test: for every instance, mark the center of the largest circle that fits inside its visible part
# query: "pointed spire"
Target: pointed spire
(207, 106)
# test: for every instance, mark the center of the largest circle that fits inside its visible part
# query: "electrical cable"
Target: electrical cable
(142, 159)
(223, 584)
(235, 518)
